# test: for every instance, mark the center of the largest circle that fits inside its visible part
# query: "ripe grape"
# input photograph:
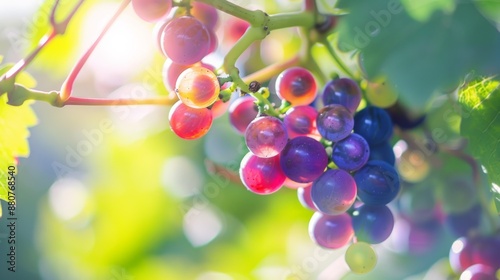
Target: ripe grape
(266, 136)
(351, 153)
(360, 257)
(384, 152)
(297, 86)
(334, 122)
(241, 112)
(343, 91)
(382, 94)
(304, 195)
(301, 121)
(374, 124)
(329, 231)
(170, 72)
(151, 10)
(378, 183)
(185, 40)
(261, 175)
(197, 87)
(373, 224)
(205, 13)
(189, 123)
(234, 29)
(303, 159)
(334, 192)
(219, 108)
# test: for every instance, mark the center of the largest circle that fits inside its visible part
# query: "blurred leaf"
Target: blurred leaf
(419, 58)
(423, 9)
(61, 52)
(490, 8)
(14, 123)
(481, 124)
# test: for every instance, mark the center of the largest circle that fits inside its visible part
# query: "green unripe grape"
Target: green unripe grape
(381, 94)
(360, 257)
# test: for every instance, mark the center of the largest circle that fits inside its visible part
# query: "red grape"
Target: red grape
(296, 85)
(261, 175)
(189, 123)
(242, 112)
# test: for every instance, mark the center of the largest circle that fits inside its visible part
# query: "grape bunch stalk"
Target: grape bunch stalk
(327, 134)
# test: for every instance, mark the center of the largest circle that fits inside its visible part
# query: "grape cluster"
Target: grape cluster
(325, 154)
(185, 35)
(335, 154)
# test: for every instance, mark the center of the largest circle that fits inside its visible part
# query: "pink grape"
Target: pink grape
(189, 123)
(151, 10)
(205, 13)
(234, 29)
(330, 231)
(197, 87)
(301, 121)
(261, 175)
(171, 71)
(266, 136)
(242, 112)
(291, 184)
(297, 86)
(219, 108)
(185, 40)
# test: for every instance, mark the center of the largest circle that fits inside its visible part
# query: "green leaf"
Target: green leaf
(419, 57)
(14, 123)
(480, 102)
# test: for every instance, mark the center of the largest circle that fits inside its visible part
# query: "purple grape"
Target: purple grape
(378, 183)
(334, 122)
(331, 232)
(301, 121)
(343, 91)
(303, 159)
(384, 152)
(185, 40)
(304, 195)
(374, 124)
(241, 113)
(266, 136)
(351, 153)
(334, 192)
(372, 224)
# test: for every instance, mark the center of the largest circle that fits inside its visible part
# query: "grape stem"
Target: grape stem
(7, 81)
(67, 86)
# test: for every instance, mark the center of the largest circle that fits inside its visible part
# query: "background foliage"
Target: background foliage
(111, 193)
